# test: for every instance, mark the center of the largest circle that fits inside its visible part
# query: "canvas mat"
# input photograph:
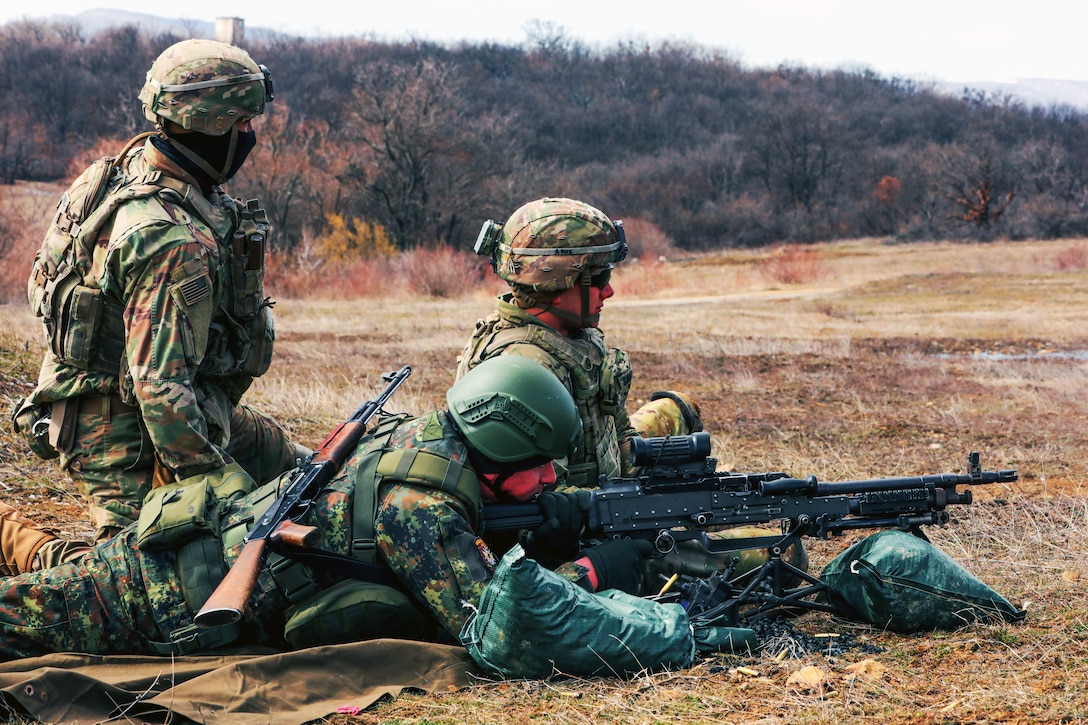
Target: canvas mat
(244, 687)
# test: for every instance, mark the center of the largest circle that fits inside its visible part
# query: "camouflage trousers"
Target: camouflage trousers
(113, 599)
(112, 459)
(117, 598)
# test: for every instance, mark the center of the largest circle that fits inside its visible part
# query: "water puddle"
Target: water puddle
(1032, 355)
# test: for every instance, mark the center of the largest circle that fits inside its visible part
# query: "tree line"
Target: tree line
(402, 145)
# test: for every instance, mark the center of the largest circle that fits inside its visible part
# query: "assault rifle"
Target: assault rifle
(679, 496)
(278, 524)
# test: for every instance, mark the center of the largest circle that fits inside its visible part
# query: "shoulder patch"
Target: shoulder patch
(433, 430)
(196, 289)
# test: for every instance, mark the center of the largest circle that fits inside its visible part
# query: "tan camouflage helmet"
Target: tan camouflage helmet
(549, 244)
(205, 86)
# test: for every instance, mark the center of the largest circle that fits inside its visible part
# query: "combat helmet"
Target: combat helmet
(551, 245)
(510, 408)
(205, 86)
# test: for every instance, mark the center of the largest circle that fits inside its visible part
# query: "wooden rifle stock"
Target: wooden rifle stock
(226, 603)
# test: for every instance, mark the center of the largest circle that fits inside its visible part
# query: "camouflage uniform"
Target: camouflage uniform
(551, 246)
(121, 599)
(597, 376)
(174, 275)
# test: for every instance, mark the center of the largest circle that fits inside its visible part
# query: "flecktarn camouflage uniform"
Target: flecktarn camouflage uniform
(121, 599)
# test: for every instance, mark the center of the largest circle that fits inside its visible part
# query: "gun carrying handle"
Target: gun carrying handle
(226, 603)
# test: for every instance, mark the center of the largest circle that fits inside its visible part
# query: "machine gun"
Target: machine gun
(678, 496)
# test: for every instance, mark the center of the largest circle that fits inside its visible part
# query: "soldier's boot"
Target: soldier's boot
(20, 540)
(26, 547)
(669, 413)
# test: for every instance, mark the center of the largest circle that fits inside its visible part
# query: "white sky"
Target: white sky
(940, 40)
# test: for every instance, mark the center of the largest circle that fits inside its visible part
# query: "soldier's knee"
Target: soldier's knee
(668, 413)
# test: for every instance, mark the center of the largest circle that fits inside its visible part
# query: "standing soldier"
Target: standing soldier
(150, 287)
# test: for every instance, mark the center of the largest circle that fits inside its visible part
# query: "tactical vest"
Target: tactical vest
(600, 379)
(370, 602)
(84, 328)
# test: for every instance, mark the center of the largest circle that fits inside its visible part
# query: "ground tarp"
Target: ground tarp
(254, 687)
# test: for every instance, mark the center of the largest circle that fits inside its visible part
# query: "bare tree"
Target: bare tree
(426, 158)
(979, 182)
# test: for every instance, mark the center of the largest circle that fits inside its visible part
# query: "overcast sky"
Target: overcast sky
(943, 40)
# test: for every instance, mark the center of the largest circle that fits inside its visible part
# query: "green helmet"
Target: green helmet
(549, 244)
(205, 86)
(510, 408)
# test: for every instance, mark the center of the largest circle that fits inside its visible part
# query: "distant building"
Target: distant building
(230, 30)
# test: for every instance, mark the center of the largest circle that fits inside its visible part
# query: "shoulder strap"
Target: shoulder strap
(83, 223)
(365, 496)
(416, 466)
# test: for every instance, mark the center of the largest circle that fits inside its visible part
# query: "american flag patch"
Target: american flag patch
(194, 290)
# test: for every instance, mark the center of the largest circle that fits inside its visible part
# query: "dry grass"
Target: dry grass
(893, 360)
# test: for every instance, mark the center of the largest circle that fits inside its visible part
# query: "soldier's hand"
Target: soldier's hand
(620, 564)
(558, 538)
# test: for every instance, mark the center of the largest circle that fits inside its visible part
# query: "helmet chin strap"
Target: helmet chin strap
(587, 320)
(217, 176)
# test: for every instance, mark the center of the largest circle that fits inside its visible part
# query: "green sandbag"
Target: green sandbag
(532, 623)
(901, 582)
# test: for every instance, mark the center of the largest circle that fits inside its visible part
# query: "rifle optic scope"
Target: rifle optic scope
(670, 450)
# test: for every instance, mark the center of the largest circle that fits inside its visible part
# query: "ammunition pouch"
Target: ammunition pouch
(200, 569)
(175, 514)
(261, 334)
(247, 261)
(82, 328)
(355, 610)
(616, 375)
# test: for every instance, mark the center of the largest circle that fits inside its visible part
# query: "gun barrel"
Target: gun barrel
(811, 487)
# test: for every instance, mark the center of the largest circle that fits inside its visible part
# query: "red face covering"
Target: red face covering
(569, 312)
(517, 486)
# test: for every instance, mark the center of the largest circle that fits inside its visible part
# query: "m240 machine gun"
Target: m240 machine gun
(679, 496)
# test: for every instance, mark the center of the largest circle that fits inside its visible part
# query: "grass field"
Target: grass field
(849, 360)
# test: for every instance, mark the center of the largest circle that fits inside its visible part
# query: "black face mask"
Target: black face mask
(215, 150)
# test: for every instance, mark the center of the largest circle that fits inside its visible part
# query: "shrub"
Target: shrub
(440, 271)
(792, 264)
(1071, 259)
(361, 239)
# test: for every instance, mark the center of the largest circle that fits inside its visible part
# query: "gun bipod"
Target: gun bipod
(758, 591)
